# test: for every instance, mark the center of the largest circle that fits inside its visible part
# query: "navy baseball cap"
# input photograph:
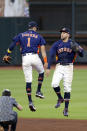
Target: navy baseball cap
(32, 24)
(67, 30)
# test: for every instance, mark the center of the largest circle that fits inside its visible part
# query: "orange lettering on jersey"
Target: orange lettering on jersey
(61, 49)
(36, 36)
(30, 35)
(68, 50)
(33, 35)
(25, 35)
(28, 44)
(56, 57)
(64, 50)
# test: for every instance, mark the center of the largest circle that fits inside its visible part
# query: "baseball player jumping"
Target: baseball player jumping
(29, 42)
(65, 50)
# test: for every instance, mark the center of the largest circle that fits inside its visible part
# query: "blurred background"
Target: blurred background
(51, 15)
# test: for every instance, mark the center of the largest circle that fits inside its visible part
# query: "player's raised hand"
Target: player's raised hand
(47, 72)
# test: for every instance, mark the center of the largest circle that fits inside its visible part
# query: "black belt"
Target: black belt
(64, 64)
(31, 53)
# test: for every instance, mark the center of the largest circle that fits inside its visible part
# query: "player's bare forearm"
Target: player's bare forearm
(43, 52)
(19, 107)
(47, 72)
(45, 65)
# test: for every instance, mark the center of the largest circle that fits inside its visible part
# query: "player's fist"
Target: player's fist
(45, 65)
(47, 72)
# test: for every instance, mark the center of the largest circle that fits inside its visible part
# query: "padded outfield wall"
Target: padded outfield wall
(9, 27)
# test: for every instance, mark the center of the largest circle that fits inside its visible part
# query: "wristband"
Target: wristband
(45, 59)
(8, 51)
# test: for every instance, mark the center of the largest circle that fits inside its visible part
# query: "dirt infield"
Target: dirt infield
(80, 66)
(51, 125)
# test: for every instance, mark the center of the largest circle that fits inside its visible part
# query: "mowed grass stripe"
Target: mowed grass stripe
(14, 80)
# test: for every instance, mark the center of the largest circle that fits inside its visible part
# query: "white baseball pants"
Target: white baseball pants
(65, 73)
(28, 62)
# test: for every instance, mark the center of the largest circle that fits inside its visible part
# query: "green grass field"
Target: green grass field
(14, 80)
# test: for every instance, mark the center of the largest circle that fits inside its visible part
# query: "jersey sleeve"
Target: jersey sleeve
(42, 41)
(14, 103)
(81, 51)
(15, 41)
(52, 53)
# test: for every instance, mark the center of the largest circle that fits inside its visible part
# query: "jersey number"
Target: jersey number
(28, 44)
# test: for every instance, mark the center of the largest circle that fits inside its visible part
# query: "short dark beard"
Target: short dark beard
(63, 38)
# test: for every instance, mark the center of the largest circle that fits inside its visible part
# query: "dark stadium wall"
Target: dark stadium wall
(9, 27)
(57, 0)
(51, 15)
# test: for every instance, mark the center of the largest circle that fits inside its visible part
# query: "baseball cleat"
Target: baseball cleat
(40, 95)
(59, 103)
(65, 112)
(31, 106)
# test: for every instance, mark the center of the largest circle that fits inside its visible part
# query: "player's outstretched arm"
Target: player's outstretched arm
(19, 107)
(7, 57)
(43, 52)
(47, 72)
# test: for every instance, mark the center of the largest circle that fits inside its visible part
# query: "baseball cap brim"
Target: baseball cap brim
(32, 24)
(65, 30)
